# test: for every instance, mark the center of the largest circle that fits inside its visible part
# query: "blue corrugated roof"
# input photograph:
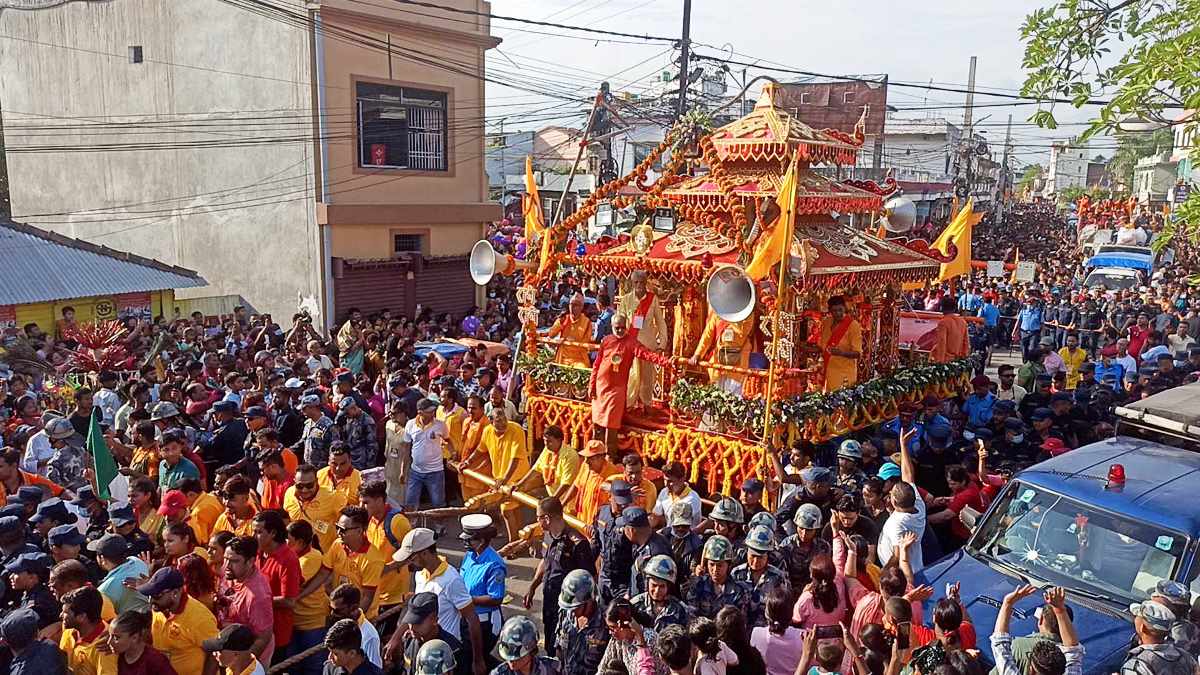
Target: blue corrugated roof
(40, 266)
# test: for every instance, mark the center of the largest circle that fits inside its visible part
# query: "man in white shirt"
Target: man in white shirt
(41, 446)
(1009, 390)
(435, 575)
(908, 511)
(316, 360)
(1126, 360)
(106, 398)
(678, 490)
(422, 439)
(345, 603)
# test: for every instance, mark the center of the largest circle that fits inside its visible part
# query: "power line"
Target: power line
(534, 22)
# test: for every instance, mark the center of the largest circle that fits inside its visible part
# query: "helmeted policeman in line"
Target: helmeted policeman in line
(714, 588)
(767, 519)
(850, 477)
(817, 488)
(758, 573)
(728, 518)
(564, 549)
(646, 543)
(800, 548)
(518, 647)
(687, 548)
(659, 601)
(434, 658)
(582, 633)
(613, 548)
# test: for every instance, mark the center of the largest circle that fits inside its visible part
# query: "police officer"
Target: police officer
(85, 502)
(816, 488)
(659, 602)
(66, 543)
(434, 658)
(225, 442)
(767, 519)
(850, 477)
(646, 543)
(615, 551)
(125, 523)
(13, 544)
(687, 548)
(518, 646)
(564, 549)
(419, 627)
(800, 548)
(714, 588)
(752, 496)
(758, 573)
(582, 633)
(1176, 597)
(319, 431)
(727, 519)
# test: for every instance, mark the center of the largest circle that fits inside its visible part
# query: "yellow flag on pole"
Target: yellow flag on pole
(958, 233)
(531, 204)
(773, 245)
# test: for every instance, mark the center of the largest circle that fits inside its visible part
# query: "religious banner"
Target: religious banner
(105, 309)
(134, 305)
(1026, 271)
(995, 268)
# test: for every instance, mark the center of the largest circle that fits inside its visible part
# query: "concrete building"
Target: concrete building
(1068, 168)
(1153, 177)
(1187, 172)
(313, 151)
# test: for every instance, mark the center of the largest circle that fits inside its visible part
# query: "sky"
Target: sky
(911, 42)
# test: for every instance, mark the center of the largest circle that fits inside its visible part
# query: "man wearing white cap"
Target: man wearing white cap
(435, 575)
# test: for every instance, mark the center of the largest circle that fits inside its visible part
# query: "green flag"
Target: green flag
(103, 464)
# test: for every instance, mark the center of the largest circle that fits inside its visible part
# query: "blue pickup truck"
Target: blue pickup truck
(1107, 521)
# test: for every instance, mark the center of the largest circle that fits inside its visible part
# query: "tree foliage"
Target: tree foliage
(1134, 146)
(1029, 175)
(1132, 58)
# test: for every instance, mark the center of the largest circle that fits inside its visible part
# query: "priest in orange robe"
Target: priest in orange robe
(950, 339)
(576, 327)
(840, 344)
(610, 376)
(728, 344)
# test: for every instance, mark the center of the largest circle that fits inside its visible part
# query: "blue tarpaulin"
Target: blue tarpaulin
(446, 350)
(1127, 260)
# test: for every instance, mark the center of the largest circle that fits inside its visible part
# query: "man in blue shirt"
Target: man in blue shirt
(1029, 324)
(969, 302)
(904, 421)
(484, 573)
(978, 406)
(112, 553)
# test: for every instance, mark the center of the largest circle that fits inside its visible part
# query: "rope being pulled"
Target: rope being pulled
(283, 665)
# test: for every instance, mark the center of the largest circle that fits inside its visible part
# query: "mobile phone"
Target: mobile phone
(830, 632)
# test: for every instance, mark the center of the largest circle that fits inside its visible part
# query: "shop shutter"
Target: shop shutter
(444, 285)
(371, 286)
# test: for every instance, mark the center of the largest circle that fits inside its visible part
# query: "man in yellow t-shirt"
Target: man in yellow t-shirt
(556, 466)
(312, 605)
(340, 475)
(238, 516)
(386, 532)
(505, 446)
(352, 560)
(1073, 357)
(307, 500)
(180, 623)
(83, 634)
(203, 508)
(473, 425)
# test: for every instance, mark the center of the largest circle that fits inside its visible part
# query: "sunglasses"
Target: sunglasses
(343, 530)
(306, 486)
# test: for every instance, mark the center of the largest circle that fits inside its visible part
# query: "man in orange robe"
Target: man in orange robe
(728, 344)
(610, 376)
(576, 327)
(645, 319)
(840, 344)
(950, 339)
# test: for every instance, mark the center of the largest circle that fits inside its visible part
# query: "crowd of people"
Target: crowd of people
(278, 482)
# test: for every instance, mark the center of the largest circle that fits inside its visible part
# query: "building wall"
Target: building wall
(44, 314)
(1068, 168)
(506, 154)
(554, 148)
(212, 75)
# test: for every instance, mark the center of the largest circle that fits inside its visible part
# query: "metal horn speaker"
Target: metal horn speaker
(900, 213)
(731, 293)
(486, 263)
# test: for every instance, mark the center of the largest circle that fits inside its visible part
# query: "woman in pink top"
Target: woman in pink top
(829, 598)
(780, 643)
(893, 580)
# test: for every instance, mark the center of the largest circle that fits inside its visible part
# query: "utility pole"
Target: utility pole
(1000, 201)
(685, 46)
(966, 145)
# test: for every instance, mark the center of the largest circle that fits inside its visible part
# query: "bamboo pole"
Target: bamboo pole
(522, 497)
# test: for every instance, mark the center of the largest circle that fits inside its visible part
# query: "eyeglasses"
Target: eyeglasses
(343, 530)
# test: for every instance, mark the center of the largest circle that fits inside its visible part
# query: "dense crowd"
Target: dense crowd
(275, 477)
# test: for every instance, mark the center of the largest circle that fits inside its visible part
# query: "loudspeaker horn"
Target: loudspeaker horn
(486, 263)
(731, 293)
(901, 214)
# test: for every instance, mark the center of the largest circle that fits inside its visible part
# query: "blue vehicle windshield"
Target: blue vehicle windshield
(1045, 536)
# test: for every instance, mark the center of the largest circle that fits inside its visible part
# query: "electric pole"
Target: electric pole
(1000, 200)
(966, 147)
(685, 45)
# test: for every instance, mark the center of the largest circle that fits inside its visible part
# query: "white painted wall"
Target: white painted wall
(212, 74)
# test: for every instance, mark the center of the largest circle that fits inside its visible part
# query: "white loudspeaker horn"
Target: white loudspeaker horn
(901, 214)
(731, 293)
(486, 263)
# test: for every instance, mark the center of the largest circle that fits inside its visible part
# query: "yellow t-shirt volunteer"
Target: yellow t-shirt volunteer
(83, 654)
(311, 610)
(348, 486)
(362, 568)
(321, 512)
(178, 636)
(393, 585)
